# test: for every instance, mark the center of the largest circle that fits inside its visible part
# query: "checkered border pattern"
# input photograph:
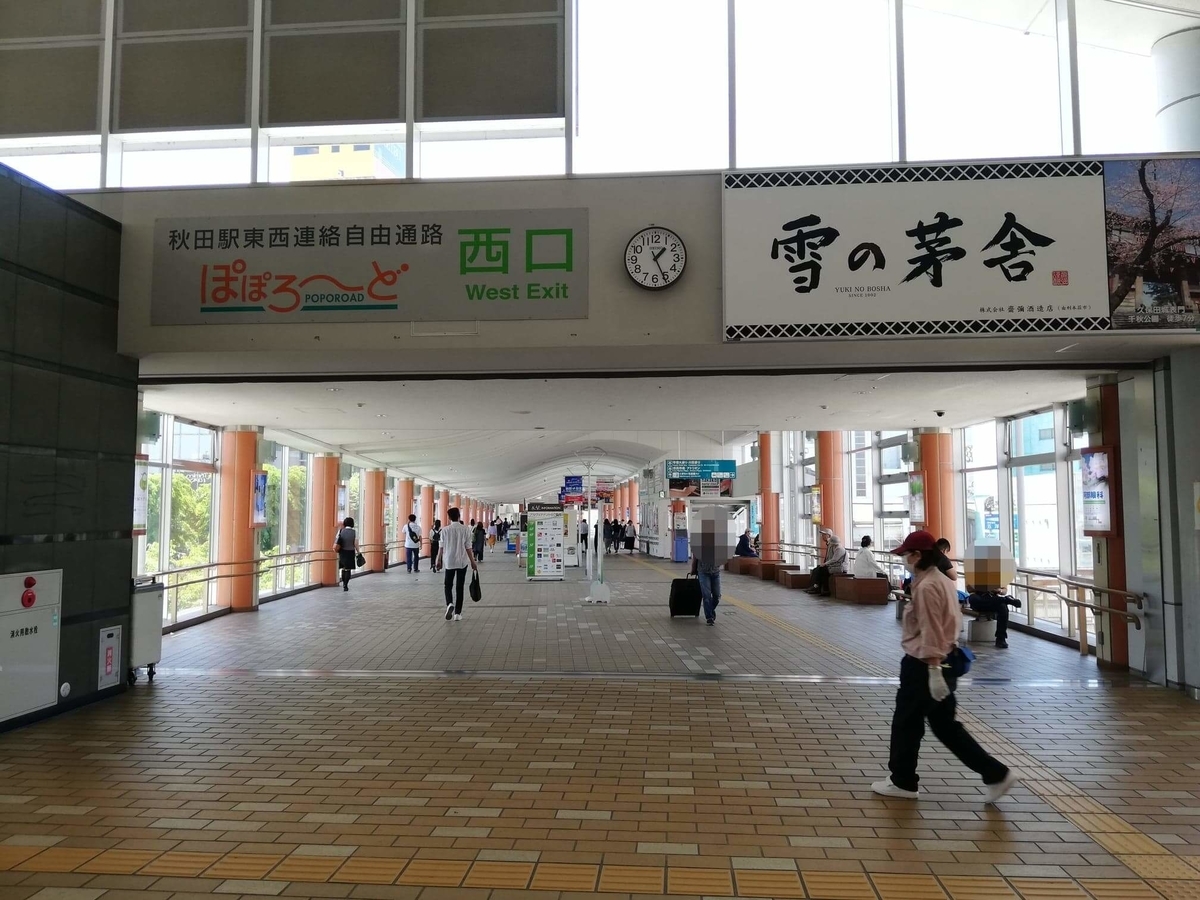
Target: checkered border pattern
(914, 329)
(904, 174)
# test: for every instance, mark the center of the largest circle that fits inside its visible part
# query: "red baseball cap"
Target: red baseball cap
(918, 541)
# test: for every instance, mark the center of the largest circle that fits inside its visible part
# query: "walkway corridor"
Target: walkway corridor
(358, 745)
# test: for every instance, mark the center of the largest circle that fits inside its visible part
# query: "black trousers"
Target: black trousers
(996, 608)
(456, 579)
(820, 579)
(914, 705)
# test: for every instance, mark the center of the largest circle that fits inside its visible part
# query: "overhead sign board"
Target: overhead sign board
(701, 468)
(399, 266)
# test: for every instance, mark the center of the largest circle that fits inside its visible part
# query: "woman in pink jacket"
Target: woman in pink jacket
(931, 625)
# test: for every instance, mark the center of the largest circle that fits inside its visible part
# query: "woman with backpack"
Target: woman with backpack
(435, 542)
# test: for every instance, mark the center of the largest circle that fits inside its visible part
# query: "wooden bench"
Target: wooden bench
(796, 580)
(783, 568)
(864, 591)
(767, 569)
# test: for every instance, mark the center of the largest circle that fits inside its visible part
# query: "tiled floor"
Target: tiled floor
(358, 745)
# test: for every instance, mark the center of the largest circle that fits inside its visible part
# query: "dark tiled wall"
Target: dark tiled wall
(68, 415)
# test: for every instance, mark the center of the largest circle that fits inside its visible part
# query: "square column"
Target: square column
(425, 517)
(373, 535)
(323, 519)
(831, 478)
(237, 543)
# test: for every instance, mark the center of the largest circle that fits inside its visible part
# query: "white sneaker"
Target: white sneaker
(886, 788)
(458, 618)
(1000, 788)
(449, 611)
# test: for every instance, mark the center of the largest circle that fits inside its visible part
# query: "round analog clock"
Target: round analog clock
(655, 258)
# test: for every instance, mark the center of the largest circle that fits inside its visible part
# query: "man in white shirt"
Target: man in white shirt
(865, 565)
(412, 545)
(454, 556)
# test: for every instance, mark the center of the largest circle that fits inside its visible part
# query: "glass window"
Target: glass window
(1117, 72)
(289, 162)
(886, 435)
(192, 443)
(183, 166)
(670, 110)
(838, 107)
(353, 495)
(983, 507)
(191, 533)
(491, 150)
(981, 80)
(1035, 517)
(894, 530)
(979, 445)
(149, 550)
(1032, 435)
(891, 461)
(895, 497)
(75, 168)
(1084, 563)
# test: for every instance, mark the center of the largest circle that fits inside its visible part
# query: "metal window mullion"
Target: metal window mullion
(1067, 42)
(570, 79)
(899, 89)
(731, 62)
(410, 90)
(107, 82)
(1062, 471)
(260, 156)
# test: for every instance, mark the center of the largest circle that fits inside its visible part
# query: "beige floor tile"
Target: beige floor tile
(908, 887)
(836, 885)
(966, 887)
(564, 877)
(766, 883)
(632, 879)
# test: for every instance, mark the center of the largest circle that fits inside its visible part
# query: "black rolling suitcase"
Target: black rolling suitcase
(685, 597)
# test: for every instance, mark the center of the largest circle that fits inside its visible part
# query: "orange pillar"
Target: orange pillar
(633, 505)
(443, 505)
(455, 501)
(404, 507)
(237, 540)
(831, 478)
(323, 519)
(770, 498)
(372, 536)
(937, 463)
(426, 517)
(1110, 552)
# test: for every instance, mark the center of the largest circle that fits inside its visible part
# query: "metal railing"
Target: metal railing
(1047, 597)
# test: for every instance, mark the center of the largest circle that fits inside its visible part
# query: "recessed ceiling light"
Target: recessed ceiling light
(334, 390)
(520, 412)
(381, 415)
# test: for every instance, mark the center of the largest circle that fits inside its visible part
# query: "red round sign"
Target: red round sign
(28, 599)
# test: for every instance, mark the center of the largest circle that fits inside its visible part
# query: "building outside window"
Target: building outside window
(284, 540)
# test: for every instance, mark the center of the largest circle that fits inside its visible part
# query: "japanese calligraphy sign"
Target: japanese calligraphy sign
(988, 249)
(372, 267)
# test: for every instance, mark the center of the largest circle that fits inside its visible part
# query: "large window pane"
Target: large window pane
(63, 171)
(1119, 95)
(149, 552)
(895, 497)
(1032, 435)
(802, 99)
(667, 111)
(1035, 517)
(891, 461)
(979, 445)
(270, 537)
(1084, 562)
(192, 443)
(981, 80)
(191, 530)
(486, 150)
(185, 166)
(983, 507)
(297, 515)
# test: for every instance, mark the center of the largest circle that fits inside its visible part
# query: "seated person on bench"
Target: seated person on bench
(835, 563)
(865, 565)
(988, 571)
(743, 546)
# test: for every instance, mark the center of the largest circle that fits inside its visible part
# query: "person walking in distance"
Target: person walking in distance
(346, 544)
(478, 541)
(455, 556)
(435, 542)
(412, 545)
(928, 674)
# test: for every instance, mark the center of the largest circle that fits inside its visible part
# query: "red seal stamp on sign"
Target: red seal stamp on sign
(1060, 278)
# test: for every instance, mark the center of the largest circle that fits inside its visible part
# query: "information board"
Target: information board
(545, 544)
(703, 469)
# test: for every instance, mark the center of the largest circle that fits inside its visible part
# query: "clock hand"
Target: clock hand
(660, 268)
(659, 253)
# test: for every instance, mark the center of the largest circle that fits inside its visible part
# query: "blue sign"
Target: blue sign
(573, 484)
(701, 468)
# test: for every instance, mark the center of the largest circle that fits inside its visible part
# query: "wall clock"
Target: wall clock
(655, 258)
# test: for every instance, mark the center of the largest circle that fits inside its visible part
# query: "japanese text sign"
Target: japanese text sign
(971, 250)
(1096, 490)
(372, 267)
(701, 468)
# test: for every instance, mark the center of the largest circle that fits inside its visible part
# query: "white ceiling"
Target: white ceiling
(504, 440)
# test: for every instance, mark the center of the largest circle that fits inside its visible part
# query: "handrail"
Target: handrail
(1128, 616)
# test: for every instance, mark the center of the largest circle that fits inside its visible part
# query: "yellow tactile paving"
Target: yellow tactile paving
(118, 862)
(703, 882)
(498, 875)
(58, 859)
(243, 866)
(632, 879)
(434, 872)
(908, 887)
(1166, 867)
(1119, 889)
(564, 877)
(1177, 890)
(758, 883)
(369, 870)
(1099, 823)
(306, 868)
(1048, 889)
(977, 887)
(838, 886)
(180, 864)
(1128, 843)
(1076, 805)
(12, 856)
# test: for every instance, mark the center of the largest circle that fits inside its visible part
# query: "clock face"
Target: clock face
(655, 257)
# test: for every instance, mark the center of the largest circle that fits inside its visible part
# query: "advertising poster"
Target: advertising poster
(141, 494)
(258, 511)
(545, 542)
(572, 492)
(371, 267)
(916, 498)
(814, 499)
(904, 251)
(1097, 491)
(604, 489)
(1152, 219)
(700, 477)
